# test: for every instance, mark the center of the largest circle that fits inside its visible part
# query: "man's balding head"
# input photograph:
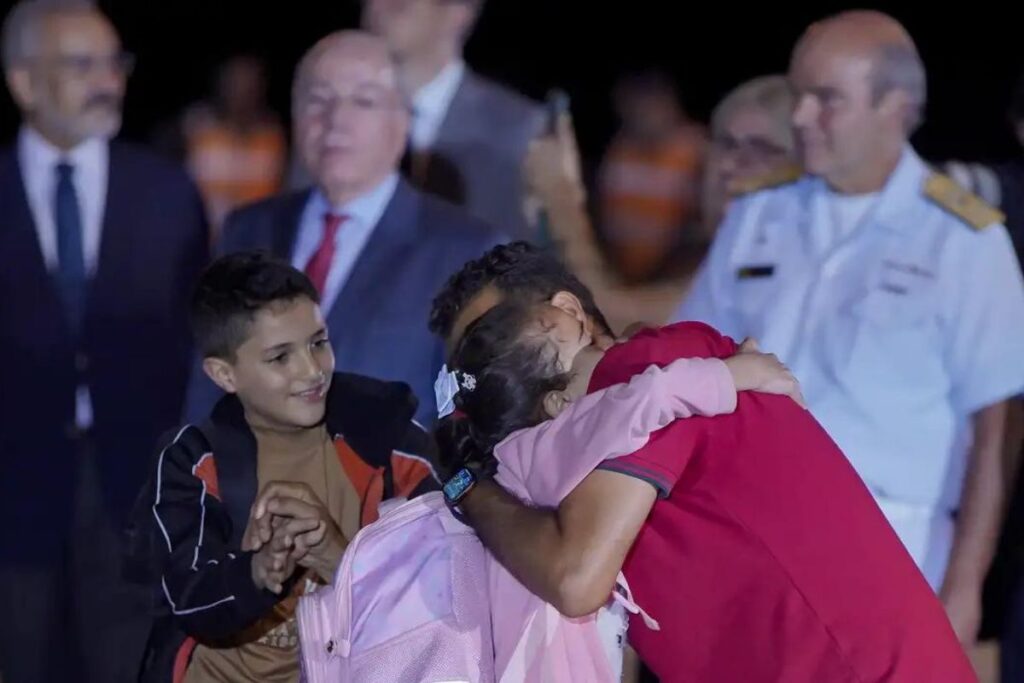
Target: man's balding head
(347, 47)
(860, 85)
(351, 118)
(896, 64)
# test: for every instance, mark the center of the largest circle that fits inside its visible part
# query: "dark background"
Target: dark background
(973, 53)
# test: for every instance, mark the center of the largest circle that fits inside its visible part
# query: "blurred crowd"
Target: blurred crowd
(799, 215)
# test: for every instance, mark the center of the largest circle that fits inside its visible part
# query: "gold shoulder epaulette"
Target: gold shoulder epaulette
(789, 173)
(962, 203)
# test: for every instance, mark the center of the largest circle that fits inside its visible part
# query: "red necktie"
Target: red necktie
(320, 263)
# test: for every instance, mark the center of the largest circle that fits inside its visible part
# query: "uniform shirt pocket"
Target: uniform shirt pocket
(895, 337)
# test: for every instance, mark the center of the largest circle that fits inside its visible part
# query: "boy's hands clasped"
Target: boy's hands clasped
(290, 527)
(762, 372)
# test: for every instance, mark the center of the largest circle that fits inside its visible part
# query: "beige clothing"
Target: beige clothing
(268, 651)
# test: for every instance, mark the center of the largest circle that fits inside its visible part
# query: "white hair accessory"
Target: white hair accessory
(446, 386)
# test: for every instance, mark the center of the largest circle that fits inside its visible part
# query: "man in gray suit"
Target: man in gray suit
(468, 135)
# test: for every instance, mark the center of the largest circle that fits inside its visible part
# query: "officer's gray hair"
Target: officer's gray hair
(898, 66)
(20, 34)
(770, 94)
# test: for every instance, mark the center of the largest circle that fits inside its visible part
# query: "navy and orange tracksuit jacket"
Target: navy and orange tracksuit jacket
(185, 538)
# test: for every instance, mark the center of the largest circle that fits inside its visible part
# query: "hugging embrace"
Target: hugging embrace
(668, 490)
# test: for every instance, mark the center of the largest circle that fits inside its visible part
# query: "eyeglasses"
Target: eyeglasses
(82, 66)
(757, 147)
(315, 104)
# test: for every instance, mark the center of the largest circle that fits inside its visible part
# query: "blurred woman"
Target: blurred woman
(752, 144)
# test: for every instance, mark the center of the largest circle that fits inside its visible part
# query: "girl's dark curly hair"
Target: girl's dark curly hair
(503, 375)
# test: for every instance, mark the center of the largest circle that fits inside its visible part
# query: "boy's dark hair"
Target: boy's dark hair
(503, 377)
(518, 269)
(230, 292)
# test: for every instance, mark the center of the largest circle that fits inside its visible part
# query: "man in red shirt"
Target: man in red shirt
(764, 557)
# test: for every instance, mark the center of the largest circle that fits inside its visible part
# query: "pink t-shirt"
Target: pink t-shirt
(543, 464)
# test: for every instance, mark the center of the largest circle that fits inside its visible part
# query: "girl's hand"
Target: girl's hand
(762, 372)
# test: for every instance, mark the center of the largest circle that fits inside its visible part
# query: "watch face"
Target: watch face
(455, 487)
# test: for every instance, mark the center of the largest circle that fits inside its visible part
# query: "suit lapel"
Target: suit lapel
(381, 255)
(235, 452)
(117, 236)
(460, 119)
(19, 229)
(19, 240)
(441, 172)
(285, 227)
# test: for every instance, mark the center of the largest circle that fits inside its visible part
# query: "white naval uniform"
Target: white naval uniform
(899, 327)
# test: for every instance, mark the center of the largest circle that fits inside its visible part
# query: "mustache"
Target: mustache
(104, 101)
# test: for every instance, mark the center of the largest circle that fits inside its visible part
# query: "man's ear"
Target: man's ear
(221, 372)
(896, 104)
(462, 18)
(19, 84)
(555, 402)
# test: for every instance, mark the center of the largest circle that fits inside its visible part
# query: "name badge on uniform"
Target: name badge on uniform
(750, 272)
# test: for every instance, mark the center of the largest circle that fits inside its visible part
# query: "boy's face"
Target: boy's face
(282, 372)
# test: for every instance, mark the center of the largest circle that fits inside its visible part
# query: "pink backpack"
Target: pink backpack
(409, 602)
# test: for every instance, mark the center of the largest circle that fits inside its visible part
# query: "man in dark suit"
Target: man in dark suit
(469, 135)
(376, 248)
(99, 245)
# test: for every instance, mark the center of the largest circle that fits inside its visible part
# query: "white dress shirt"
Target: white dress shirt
(361, 217)
(38, 160)
(430, 105)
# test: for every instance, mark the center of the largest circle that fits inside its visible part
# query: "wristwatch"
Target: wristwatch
(456, 488)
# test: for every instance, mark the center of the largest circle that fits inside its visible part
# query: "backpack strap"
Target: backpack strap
(624, 596)
(235, 455)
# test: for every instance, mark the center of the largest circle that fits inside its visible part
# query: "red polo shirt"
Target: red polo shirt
(767, 559)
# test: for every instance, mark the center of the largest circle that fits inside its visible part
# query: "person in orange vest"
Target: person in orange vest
(235, 147)
(649, 180)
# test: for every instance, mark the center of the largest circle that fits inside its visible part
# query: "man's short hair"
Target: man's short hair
(232, 290)
(899, 67)
(21, 30)
(518, 269)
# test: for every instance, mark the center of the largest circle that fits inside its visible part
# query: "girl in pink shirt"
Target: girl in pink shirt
(526, 371)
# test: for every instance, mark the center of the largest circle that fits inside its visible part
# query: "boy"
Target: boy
(758, 509)
(329, 446)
